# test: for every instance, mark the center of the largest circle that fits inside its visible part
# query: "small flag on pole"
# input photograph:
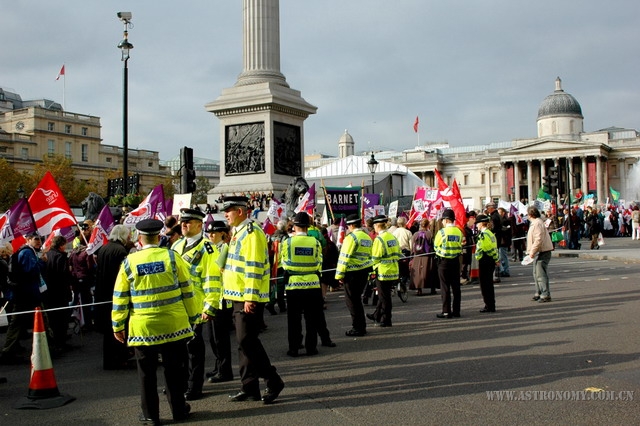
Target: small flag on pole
(61, 73)
(415, 124)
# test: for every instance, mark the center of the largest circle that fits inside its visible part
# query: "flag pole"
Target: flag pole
(326, 199)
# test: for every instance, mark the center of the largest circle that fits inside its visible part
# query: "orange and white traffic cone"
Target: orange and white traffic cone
(43, 390)
(474, 275)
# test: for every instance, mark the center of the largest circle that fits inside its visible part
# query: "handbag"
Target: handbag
(556, 236)
(600, 239)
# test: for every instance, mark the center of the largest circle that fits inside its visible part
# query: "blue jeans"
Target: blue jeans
(504, 259)
(540, 275)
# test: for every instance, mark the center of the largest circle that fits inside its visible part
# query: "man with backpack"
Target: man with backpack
(25, 274)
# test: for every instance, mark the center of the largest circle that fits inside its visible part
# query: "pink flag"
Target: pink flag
(268, 227)
(15, 223)
(342, 231)
(308, 201)
(50, 209)
(415, 124)
(101, 230)
(61, 73)
(69, 233)
(153, 204)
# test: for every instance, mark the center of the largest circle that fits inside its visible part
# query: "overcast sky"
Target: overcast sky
(475, 72)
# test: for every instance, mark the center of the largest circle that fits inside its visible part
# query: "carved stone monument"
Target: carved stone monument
(261, 117)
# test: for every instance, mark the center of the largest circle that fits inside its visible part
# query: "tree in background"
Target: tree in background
(202, 189)
(11, 182)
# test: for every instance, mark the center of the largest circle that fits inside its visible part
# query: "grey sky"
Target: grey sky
(475, 72)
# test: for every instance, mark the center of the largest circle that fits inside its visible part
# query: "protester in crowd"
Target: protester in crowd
(83, 271)
(57, 275)
(6, 250)
(167, 232)
(504, 242)
(202, 255)
(594, 228)
(246, 284)
(109, 257)
(539, 248)
(222, 320)
(467, 250)
(403, 235)
(422, 262)
(354, 267)
(448, 246)
(276, 284)
(487, 255)
(635, 223)
(26, 285)
(385, 254)
(154, 309)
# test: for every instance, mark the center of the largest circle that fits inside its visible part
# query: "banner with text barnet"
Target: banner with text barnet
(343, 201)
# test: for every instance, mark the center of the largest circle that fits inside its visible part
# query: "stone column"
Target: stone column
(530, 195)
(502, 176)
(570, 177)
(599, 181)
(261, 43)
(584, 176)
(487, 184)
(516, 181)
(623, 177)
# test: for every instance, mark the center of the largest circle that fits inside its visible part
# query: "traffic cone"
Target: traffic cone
(474, 275)
(43, 390)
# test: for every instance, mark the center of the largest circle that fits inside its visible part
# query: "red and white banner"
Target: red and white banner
(49, 207)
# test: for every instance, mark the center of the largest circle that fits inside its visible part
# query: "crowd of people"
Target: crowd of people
(167, 288)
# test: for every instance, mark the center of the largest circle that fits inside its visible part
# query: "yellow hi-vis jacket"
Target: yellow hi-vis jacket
(153, 292)
(487, 245)
(448, 242)
(355, 253)
(385, 255)
(205, 272)
(301, 258)
(246, 272)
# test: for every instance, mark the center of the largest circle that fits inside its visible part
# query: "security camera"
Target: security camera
(124, 16)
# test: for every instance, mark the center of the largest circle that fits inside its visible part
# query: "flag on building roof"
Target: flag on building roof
(61, 73)
(49, 207)
(416, 124)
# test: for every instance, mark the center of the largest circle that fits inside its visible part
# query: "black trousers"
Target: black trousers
(487, 266)
(217, 331)
(354, 284)
(449, 275)
(254, 361)
(174, 361)
(307, 303)
(383, 309)
(196, 350)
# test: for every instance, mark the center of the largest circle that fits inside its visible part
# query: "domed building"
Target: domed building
(560, 115)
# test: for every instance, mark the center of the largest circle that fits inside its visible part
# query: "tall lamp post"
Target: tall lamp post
(125, 47)
(373, 165)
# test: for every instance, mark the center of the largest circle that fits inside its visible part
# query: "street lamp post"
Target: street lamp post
(373, 165)
(125, 47)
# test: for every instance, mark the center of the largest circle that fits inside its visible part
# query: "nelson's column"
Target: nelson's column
(261, 117)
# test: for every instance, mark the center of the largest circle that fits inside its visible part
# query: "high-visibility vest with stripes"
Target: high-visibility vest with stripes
(355, 253)
(205, 272)
(246, 272)
(385, 255)
(487, 245)
(153, 292)
(448, 242)
(301, 258)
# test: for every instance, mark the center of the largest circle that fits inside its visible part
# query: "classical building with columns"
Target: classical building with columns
(587, 162)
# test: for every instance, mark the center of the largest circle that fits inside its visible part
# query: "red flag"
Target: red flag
(50, 209)
(415, 124)
(61, 73)
(458, 206)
